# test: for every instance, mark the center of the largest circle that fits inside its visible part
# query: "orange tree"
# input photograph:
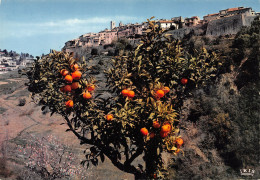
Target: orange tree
(141, 118)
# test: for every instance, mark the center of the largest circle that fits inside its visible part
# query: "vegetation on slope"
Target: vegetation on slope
(141, 119)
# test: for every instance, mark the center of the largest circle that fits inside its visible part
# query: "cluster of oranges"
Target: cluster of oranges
(72, 81)
(161, 92)
(88, 91)
(128, 93)
(164, 132)
(163, 129)
(72, 77)
(166, 128)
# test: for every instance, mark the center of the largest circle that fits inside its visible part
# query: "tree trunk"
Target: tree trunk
(151, 161)
(140, 175)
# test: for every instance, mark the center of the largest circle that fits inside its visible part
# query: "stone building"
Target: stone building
(230, 21)
(112, 25)
(26, 62)
(107, 36)
(96, 40)
(167, 24)
(3, 67)
(230, 12)
(121, 24)
(179, 21)
(129, 30)
(211, 17)
(193, 21)
(195, 30)
(71, 45)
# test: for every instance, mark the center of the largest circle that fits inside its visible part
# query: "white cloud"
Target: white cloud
(65, 26)
(94, 20)
(76, 21)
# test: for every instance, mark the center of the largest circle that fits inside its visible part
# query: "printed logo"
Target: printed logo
(247, 172)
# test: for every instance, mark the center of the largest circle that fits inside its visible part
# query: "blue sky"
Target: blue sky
(36, 26)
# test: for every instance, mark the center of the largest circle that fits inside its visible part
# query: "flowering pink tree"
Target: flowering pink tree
(51, 159)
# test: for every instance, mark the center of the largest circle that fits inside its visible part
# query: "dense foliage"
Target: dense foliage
(141, 119)
(246, 50)
(221, 123)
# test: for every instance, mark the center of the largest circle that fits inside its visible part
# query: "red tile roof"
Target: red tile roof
(233, 9)
(213, 14)
(166, 21)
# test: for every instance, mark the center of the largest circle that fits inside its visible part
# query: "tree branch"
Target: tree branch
(138, 152)
(109, 152)
(126, 149)
(83, 139)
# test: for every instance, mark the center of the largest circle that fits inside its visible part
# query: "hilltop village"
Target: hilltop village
(225, 22)
(10, 61)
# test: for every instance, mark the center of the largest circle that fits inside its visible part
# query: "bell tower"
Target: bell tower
(112, 25)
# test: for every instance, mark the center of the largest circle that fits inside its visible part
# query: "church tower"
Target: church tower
(112, 25)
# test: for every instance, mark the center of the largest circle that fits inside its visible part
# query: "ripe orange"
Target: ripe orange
(69, 104)
(125, 92)
(76, 75)
(156, 124)
(87, 95)
(179, 141)
(131, 94)
(166, 128)
(75, 85)
(163, 134)
(91, 88)
(166, 90)
(184, 81)
(160, 93)
(64, 72)
(68, 78)
(109, 117)
(152, 134)
(144, 131)
(74, 67)
(67, 88)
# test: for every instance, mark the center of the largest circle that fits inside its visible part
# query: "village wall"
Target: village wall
(224, 26)
(180, 33)
(229, 21)
(228, 25)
